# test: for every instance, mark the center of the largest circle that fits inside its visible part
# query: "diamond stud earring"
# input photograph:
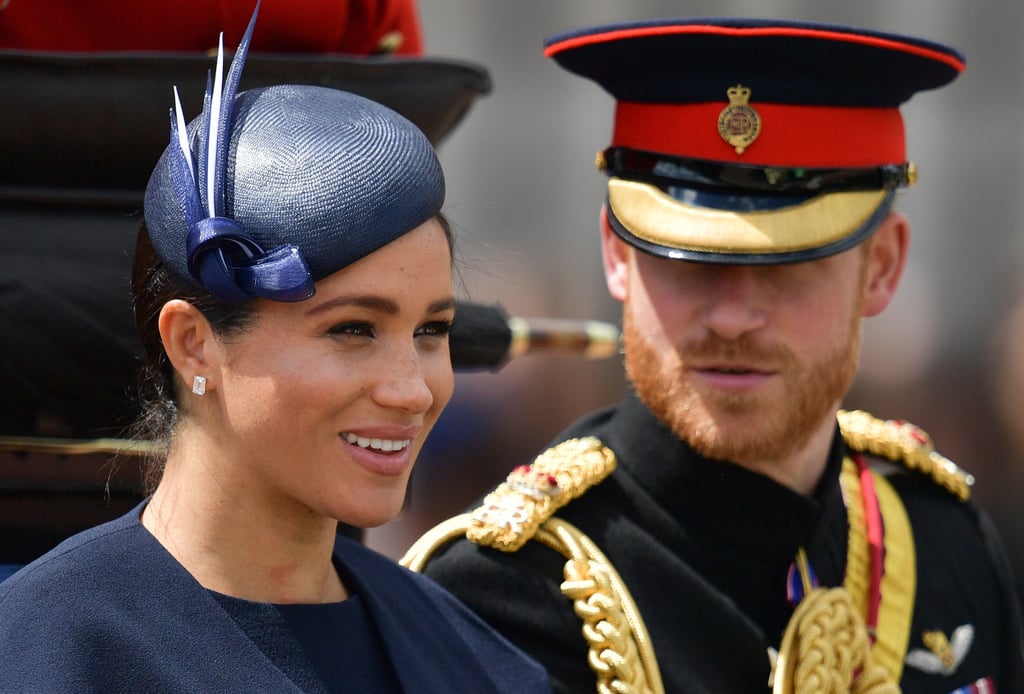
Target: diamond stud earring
(199, 385)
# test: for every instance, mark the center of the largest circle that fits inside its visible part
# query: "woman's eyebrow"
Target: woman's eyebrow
(375, 303)
(442, 305)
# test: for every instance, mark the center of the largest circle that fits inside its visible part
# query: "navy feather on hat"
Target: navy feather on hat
(272, 190)
(753, 140)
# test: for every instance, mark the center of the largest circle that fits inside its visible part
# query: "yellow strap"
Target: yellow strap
(805, 572)
(899, 581)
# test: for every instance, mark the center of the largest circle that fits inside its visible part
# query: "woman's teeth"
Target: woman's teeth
(383, 445)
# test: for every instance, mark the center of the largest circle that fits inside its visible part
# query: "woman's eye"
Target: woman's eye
(353, 329)
(439, 328)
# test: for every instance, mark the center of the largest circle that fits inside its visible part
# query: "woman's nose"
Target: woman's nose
(402, 383)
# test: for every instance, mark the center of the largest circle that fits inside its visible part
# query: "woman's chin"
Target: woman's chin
(372, 515)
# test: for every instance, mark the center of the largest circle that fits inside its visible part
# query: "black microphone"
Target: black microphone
(486, 337)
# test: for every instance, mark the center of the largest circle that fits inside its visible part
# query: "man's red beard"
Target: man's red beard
(740, 427)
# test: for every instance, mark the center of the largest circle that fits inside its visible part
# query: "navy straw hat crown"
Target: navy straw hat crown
(272, 189)
(330, 172)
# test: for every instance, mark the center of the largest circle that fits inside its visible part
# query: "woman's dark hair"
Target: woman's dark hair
(153, 285)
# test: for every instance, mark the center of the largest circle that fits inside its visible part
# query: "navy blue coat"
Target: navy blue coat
(111, 610)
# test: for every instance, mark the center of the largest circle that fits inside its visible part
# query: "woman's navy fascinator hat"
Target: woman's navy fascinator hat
(273, 189)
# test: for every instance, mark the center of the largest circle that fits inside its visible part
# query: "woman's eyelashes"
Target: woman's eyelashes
(437, 328)
(352, 329)
(364, 329)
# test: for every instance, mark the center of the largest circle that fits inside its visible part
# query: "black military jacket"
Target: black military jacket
(704, 547)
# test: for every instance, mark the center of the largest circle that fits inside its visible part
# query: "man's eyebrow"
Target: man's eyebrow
(375, 303)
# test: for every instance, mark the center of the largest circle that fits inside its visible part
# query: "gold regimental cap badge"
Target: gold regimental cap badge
(738, 123)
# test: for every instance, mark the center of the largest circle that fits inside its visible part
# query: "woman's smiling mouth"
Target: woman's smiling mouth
(382, 445)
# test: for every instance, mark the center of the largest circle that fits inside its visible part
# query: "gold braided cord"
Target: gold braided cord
(826, 641)
(905, 443)
(417, 556)
(620, 650)
(825, 645)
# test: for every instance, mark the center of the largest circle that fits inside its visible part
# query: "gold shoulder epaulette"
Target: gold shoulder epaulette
(619, 648)
(905, 443)
(511, 514)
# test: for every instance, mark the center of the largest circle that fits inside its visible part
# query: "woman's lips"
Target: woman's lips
(383, 453)
(382, 445)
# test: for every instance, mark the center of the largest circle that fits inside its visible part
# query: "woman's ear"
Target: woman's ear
(188, 341)
(616, 260)
(886, 256)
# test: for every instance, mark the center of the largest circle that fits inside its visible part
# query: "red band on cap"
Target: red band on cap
(805, 32)
(817, 136)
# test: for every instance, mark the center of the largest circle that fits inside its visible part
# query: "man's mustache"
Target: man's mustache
(744, 350)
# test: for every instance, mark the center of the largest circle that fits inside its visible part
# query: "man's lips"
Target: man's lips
(733, 377)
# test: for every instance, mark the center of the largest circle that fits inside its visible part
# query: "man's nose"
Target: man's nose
(735, 301)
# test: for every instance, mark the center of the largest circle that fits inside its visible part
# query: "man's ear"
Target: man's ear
(616, 260)
(886, 256)
(188, 340)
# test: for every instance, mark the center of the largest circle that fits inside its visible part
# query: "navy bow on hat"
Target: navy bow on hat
(221, 256)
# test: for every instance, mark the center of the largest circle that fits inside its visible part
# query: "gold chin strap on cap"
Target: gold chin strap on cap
(521, 508)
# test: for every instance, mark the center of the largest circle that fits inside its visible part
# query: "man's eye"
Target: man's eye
(354, 329)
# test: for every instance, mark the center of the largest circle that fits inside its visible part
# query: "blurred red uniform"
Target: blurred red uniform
(358, 27)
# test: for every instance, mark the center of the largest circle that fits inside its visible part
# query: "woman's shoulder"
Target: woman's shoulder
(83, 562)
(52, 610)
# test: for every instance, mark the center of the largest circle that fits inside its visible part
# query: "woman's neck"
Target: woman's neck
(236, 542)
